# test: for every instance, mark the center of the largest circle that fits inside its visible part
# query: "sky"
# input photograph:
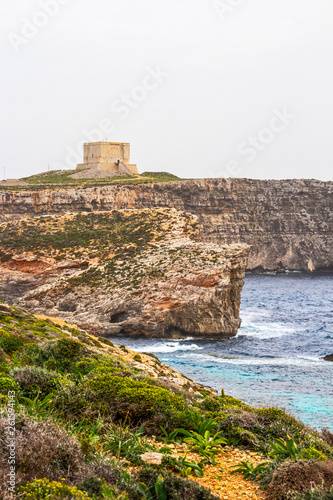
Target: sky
(200, 88)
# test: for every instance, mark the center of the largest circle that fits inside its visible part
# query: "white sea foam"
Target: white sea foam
(173, 346)
(251, 328)
(274, 361)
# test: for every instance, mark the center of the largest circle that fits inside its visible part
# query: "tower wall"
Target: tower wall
(108, 156)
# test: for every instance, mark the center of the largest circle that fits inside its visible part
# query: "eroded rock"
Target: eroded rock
(152, 458)
(145, 273)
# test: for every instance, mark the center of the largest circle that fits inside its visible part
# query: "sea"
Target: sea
(277, 357)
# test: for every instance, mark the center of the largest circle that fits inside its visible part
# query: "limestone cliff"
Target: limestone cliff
(288, 223)
(132, 272)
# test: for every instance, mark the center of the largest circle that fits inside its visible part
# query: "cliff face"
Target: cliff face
(287, 223)
(133, 272)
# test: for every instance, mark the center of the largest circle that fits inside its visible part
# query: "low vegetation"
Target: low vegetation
(117, 248)
(56, 179)
(86, 415)
(115, 264)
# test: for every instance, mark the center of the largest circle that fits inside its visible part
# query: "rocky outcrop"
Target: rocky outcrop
(135, 272)
(288, 223)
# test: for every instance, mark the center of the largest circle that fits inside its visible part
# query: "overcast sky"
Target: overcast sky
(200, 88)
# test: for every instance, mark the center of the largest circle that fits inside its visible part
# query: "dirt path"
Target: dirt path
(218, 479)
(231, 486)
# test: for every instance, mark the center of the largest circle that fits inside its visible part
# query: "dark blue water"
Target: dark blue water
(275, 359)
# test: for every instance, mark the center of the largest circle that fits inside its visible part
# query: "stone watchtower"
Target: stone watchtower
(108, 156)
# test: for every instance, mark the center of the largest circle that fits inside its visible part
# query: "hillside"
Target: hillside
(133, 272)
(98, 421)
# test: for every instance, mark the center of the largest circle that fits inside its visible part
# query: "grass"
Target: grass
(81, 231)
(99, 232)
(62, 179)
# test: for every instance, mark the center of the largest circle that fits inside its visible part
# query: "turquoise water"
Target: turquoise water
(276, 358)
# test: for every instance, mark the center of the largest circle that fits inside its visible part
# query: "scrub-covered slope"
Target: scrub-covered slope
(97, 421)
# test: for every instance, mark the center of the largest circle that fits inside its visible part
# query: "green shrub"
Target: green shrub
(176, 488)
(3, 357)
(107, 369)
(41, 489)
(116, 397)
(300, 477)
(35, 380)
(126, 397)
(85, 365)
(312, 453)
(275, 423)
(42, 450)
(67, 351)
(7, 384)
(72, 404)
(107, 342)
(99, 490)
(4, 368)
(316, 443)
(255, 427)
(245, 437)
(60, 355)
(211, 404)
(265, 476)
(10, 342)
(92, 486)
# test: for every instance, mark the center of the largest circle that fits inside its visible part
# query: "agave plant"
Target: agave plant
(205, 445)
(232, 440)
(210, 424)
(201, 426)
(172, 437)
(283, 449)
(37, 406)
(248, 469)
(189, 467)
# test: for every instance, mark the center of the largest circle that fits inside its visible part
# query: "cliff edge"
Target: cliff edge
(287, 223)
